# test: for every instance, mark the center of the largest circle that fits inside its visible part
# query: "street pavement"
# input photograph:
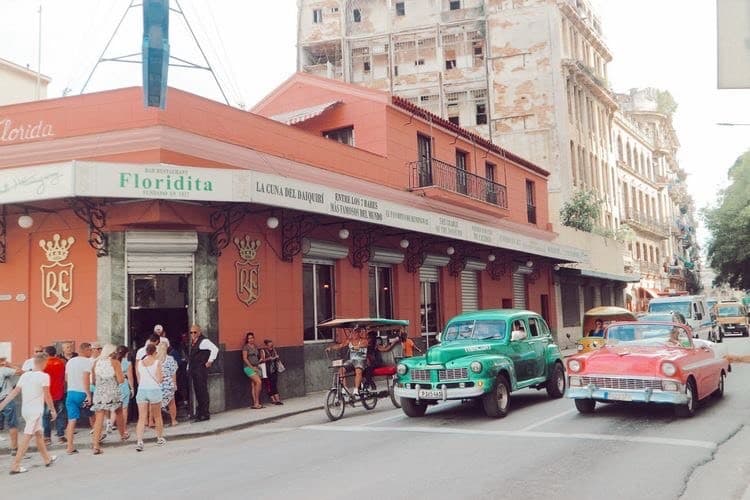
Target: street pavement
(542, 449)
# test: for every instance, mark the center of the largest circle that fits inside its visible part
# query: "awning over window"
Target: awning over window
(304, 114)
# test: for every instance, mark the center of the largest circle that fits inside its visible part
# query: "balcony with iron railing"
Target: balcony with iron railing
(650, 268)
(438, 179)
(644, 222)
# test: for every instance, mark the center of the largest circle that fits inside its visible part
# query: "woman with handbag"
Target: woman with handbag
(274, 366)
(251, 358)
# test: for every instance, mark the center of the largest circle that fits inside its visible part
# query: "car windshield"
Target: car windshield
(656, 317)
(648, 334)
(725, 311)
(474, 329)
(661, 307)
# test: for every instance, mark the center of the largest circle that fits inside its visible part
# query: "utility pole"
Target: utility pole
(37, 91)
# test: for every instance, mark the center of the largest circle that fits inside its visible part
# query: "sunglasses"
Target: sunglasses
(193, 332)
(38, 351)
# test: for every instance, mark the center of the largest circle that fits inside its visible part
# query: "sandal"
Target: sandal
(98, 451)
(125, 436)
(20, 470)
(52, 460)
(72, 452)
(258, 407)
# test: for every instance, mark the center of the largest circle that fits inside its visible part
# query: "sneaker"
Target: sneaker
(109, 428)
(52, 460)
(161, 441)
(139, 446)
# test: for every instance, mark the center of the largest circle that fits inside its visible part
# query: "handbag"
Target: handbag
(263, 370)
(280, 368)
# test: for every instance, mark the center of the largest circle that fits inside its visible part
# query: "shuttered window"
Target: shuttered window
(519, 291)
(469, 291)
(571, 304)
(160, 252)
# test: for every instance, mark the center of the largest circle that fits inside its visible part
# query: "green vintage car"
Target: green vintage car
(483, 354)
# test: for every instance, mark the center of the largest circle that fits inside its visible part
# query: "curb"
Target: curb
(177, 437)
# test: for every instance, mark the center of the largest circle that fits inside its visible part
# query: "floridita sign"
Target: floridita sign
(11, 131)
(172, 182)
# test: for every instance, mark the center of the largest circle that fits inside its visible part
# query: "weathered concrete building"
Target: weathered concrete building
(20, 84)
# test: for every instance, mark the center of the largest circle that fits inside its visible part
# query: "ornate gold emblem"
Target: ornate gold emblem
(57, 278)
(247, 272)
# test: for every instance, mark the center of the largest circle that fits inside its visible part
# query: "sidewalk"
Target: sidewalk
(231, 420)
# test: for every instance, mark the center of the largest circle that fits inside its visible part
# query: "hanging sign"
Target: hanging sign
(247, 272)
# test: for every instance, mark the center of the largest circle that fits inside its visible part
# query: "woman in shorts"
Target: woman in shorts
(149, 397)
(251, 359)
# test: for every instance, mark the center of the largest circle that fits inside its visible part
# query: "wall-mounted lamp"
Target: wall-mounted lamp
(272, 222)
(450, 250)
(25, 221)
(529, 263)
(556, 267)
(343, 233)
(404, 243)
(491, 257)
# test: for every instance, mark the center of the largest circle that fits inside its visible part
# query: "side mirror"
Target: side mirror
(517, 335)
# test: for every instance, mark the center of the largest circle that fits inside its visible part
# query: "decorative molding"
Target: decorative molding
(94, 215)
(223, 222)
(416, 254)
(457, 263)
(497, 269)
(247, 272)
(57, 278)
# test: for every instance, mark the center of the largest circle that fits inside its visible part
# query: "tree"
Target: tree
(581, 211)
(729, 224)
(665, 103)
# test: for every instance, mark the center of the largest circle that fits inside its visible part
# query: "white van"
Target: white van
(696, 313)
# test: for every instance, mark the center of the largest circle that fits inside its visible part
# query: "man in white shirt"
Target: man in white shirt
(28, 365)
(201, 356)
(34, 386)
(78, 378)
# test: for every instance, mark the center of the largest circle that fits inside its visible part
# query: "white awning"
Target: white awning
(304, 114)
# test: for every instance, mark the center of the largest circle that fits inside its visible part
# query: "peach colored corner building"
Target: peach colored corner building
(236, 221)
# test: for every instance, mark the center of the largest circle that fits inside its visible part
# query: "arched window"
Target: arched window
(630, 155)
(619, 148)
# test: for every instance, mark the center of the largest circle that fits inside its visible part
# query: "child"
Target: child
(34, 386)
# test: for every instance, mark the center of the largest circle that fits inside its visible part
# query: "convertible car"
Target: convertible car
(648, 362)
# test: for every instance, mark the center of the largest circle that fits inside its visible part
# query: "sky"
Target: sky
(668, 44)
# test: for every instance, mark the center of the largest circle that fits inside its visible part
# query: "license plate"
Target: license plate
(430, 394)
(619, 396)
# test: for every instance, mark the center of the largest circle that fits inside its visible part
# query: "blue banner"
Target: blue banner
(155, 52)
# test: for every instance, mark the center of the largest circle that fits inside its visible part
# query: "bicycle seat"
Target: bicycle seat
(384, 371)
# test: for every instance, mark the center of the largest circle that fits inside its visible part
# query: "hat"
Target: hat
(96, 345)
(158, 329)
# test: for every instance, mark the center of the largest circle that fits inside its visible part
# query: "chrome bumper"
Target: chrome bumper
(452, 393)
(629, 395)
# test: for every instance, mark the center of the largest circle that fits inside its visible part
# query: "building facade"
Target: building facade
(339, 202)
(530, 75)
(20, 84)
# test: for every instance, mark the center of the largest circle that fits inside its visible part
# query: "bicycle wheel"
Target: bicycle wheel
(392, 393)
(334, 405)
(369, 398)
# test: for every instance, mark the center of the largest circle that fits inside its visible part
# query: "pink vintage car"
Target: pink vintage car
(649, 362)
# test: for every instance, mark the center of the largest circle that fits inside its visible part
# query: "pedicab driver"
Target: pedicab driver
(357, 354)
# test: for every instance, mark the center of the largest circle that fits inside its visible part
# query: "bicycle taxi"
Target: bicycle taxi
(605, 314)
(382, 337)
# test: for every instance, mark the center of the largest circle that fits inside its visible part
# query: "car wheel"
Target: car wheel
(719, 393)
(585, 405)
(556, 382)
(496, 403)
(688, 410)
(745, 332)
(392, 393)
(411, 408)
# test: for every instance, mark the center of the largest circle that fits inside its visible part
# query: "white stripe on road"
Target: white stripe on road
(710, 445)
(547, 420)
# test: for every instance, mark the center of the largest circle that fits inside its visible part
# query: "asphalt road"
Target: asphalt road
(543, 449)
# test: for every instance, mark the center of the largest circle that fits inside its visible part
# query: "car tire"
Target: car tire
(412, 409)
(585, 406)
(745, 332)
(496, 403)
(556, 382)
(688, 410)
(719, 393)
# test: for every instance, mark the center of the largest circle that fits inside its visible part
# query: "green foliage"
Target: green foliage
(729, 224)
(581, 211)
(665, 103)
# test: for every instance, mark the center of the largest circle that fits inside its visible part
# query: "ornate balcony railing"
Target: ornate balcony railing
(435, 173)
(645, 222)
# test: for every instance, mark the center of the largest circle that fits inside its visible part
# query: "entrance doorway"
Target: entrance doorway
(158, 299)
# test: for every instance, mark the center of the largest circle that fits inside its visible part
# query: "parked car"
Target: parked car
(732, 318)
(693, 308)
(648, 362)
(483, 355)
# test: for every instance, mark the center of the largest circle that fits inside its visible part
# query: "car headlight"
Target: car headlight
(668, 369)
(580, 347)
(574, 381)
(476, 366)
(670, 385)
(401, 369)
(574, 365)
